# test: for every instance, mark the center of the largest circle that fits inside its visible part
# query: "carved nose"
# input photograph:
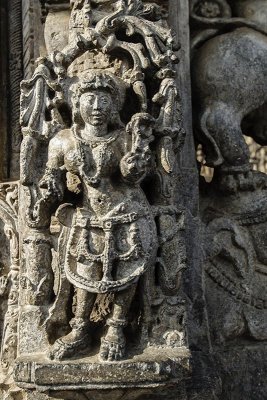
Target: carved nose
(96, 104)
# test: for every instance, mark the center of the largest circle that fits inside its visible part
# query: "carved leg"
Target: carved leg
(113, 344)
(79, 338)
(223, 126)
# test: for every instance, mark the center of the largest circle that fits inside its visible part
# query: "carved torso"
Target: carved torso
(113, 230)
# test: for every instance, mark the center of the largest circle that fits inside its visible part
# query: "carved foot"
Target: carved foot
(67, 347)
(113, 345)
(73, 343)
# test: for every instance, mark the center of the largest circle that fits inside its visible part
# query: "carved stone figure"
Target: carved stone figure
(112, 234)
(125, 273)
(103, 249)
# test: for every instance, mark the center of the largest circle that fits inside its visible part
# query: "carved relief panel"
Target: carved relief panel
(115, 281)
(103, 232)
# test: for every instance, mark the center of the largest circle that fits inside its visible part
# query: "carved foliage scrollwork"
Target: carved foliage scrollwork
(9, 283)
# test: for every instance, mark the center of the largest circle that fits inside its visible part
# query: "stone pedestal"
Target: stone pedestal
(155, 368)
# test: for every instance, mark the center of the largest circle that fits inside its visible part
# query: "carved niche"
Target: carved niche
(103, 248)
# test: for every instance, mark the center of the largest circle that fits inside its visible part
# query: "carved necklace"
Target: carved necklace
(92, 143)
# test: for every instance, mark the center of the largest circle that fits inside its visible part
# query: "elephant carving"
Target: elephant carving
(229, 81)
(236, 265)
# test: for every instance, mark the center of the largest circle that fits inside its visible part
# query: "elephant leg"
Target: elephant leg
(223, 127)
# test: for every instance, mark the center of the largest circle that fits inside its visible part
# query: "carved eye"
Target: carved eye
(90, 98)
(104, 100)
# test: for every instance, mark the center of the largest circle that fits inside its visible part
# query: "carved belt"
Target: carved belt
(109, 255)
(106, 223)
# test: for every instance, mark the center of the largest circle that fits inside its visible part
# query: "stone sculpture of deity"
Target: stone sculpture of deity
(103, 244)
(112, 237)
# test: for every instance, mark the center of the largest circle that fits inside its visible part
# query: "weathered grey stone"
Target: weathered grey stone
(99, 155)
(154, 368)
(228, 76)
(122, 274)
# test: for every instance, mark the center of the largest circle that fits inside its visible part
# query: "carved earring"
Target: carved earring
(115, 118)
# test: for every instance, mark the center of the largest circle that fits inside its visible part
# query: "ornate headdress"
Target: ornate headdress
(99, 80)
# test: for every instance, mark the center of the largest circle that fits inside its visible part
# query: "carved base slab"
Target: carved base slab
(153, 368)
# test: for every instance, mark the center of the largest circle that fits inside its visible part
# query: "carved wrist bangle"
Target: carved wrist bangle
(79, 324)
(116, 322)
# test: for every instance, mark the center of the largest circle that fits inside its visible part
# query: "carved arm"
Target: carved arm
(136, 163)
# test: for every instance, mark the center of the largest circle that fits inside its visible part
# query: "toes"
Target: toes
(119, 355)
(104, 351)
(104, 354)
(57, 352)
(112, 355)
(111, 352)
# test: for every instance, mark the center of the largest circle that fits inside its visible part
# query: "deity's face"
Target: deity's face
(96, 107)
